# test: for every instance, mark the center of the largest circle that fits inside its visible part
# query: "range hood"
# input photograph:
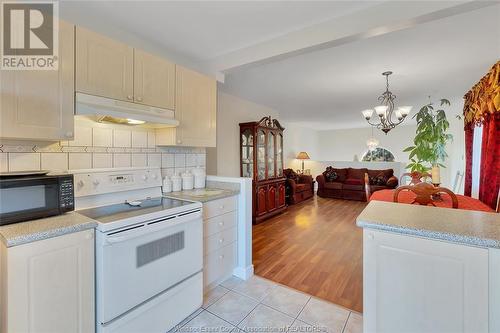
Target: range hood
(108, 110)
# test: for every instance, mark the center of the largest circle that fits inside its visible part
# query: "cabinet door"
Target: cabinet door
(272, 198)
(261, 200)
(104, 67)
(418, 285)
(39, 104)
(281, 195)
(51, 285)
(195, 108)
(154, 80)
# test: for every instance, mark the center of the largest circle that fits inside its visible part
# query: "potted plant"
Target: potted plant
(430, 140)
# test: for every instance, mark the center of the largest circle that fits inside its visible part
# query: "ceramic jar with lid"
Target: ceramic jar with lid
(176, 183)
(199, 177)
(187, 181)
(167, 185)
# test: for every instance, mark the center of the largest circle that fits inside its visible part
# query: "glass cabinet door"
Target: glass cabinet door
(279, 154)
(261, 155)
(247, 154)
(271, 155)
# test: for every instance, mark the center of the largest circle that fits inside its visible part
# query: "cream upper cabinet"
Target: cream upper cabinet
(48, 285)
(104, 67)
(196, 106)
(39, 104)
(154, 80)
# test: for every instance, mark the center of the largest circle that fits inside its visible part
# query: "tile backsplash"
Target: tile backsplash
(99, 145)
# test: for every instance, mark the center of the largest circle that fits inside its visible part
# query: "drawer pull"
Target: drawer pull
(221, 240)
(221, 207)
(221, 223)
(221, 256)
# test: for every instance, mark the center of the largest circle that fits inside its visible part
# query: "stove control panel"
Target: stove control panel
(99, 182)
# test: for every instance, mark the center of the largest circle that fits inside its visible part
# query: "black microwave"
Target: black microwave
(25, 197)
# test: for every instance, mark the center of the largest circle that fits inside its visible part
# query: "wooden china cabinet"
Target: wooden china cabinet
(261, 158)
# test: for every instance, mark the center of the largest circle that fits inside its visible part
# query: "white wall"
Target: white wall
(343, 145)
(296, 139)
(231, 111)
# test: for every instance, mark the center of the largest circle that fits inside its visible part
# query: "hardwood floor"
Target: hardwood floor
(314, 247)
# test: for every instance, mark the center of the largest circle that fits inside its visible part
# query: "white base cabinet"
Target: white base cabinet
(48, 285)
(219, 240)
(414, 284)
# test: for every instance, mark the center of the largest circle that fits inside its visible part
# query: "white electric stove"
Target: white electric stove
(149, 250)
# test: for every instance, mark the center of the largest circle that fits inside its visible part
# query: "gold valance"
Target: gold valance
(483, 98)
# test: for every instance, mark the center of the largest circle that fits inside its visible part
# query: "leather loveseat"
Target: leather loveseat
(349, 183)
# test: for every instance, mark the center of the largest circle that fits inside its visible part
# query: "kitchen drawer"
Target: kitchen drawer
(219, 223)
(218, 240)
(219, 207)
(219, 264)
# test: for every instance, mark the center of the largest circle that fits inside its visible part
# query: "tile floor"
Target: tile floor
(262, 306)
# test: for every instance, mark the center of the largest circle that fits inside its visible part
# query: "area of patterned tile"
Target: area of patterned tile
(206, 322)
(322, 313)
(265, 317)
(186, 320)
(213, 295)
(233, 307)
(286, 300)
(354, 323)
(255, 287)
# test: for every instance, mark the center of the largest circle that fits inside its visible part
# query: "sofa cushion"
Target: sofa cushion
(335, 175)
(353, 181)
(333, 185)
(353, 173)
(379, 179)
(302, 187)
(388, 173)
(392, 182)
(353, 187)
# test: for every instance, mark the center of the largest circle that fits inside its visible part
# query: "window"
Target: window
(378, 155)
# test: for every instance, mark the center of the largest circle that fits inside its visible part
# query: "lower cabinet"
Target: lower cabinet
(414, 284)
(269, 199)
(48, 285)
(219, 240)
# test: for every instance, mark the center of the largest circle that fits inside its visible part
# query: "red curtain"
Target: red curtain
(490, 160)
(469, 138)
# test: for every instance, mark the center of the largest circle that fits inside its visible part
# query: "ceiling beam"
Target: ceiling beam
(378, 20)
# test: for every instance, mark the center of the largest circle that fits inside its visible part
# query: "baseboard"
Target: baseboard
(243, 272)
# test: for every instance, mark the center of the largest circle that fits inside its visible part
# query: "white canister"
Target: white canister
(187, 181)
(199, 177)
(176, 183)
(167, 185)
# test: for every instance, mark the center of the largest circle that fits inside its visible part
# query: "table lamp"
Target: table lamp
(303, 156)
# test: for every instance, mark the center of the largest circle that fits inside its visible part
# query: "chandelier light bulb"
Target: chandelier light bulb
(380, 110)
(372, 143)
(367, 113)
(405, 110)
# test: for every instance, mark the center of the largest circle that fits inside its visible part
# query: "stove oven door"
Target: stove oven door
(138, 263)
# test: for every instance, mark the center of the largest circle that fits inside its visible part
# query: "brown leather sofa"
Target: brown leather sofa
(298, 187)
(349, 183)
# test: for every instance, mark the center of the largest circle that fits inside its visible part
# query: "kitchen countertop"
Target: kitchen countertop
(35, 230)
(203, 195)
(452, 225)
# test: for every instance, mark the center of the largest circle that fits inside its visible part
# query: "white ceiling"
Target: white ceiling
(315, 62)
(204, 30)
(328, 89)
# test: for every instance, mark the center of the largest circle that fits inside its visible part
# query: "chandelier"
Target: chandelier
(385, 110)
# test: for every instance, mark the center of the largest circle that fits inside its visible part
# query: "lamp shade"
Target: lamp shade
(303, 156)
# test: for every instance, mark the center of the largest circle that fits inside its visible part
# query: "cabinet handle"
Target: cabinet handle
(221, 207)
(179, 141)
(221, 223)
(221, 240)
(130, 97)
(69, 134)
(371, 236)
(221, 256)
(139, 99)
(89, 235)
